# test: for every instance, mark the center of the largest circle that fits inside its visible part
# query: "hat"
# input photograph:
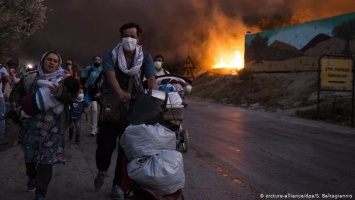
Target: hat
(12, 61)
(69, 62)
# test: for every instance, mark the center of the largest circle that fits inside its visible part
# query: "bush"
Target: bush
(245, 74)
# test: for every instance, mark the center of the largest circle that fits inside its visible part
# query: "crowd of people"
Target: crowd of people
(48, 102)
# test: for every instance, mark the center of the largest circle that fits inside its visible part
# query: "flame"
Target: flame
(236, 62)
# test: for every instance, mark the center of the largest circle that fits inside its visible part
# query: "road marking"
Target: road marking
(230, 175)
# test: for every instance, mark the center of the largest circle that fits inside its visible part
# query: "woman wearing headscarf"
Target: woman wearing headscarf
(42, 133)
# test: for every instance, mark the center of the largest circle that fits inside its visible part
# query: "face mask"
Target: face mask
(69, 67)
(129, 44)
(12, 70)
(97, 64)
(80, 96)
(157, 65)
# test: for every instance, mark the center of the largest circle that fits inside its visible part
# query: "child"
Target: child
(44, 100)
(79, 106)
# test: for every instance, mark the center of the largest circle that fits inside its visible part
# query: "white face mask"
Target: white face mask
(69, 67)
(158, 65)
(80, 96)
(129, 44)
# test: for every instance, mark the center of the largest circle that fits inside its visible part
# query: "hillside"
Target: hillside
(293, 94)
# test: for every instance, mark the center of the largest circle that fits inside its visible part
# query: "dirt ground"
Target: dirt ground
(292, 94)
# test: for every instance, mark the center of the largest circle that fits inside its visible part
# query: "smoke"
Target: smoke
(201, 29)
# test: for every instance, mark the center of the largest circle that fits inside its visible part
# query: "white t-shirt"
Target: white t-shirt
(162, 72)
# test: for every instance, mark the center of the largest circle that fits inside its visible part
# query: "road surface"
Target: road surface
(233, 154)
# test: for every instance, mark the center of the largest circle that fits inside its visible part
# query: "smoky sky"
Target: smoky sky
(201, 29)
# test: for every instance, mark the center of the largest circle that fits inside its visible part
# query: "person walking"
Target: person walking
(42, 134)
(126, 60)
(4, 79)
(79, 106)
(158, 64)
(91, 80)
(69, 69)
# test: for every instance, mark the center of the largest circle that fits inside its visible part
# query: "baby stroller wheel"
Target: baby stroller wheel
(178, 142)
(184, 140)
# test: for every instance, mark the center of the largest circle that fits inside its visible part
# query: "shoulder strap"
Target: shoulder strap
(89, 72)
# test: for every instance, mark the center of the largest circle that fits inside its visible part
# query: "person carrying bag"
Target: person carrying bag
(127, 59)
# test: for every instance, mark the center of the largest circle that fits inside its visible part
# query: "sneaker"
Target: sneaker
(94, 132)
(117, 192)
(39, 197)
(2, 142)
(77, 139)
(99, 179)
(31, 185)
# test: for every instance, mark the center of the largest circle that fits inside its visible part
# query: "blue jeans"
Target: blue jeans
(77, 126)
(2, 118)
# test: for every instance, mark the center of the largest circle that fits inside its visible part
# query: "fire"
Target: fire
(236, 62)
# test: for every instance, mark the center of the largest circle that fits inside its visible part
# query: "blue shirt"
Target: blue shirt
(77, 108)
(147, 69)
(94, 74)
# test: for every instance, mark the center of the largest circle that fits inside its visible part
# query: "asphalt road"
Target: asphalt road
(243, 154)
(233, 154)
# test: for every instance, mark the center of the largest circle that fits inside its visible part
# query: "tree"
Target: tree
(19, 19)
(346, 31)
(256, 47)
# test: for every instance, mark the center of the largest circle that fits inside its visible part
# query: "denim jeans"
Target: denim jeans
(77, 125)
(2, 118)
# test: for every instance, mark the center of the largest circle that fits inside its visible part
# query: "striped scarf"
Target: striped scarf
(118, 56)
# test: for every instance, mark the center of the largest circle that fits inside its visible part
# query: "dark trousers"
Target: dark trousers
(43, 175)
(106, 141)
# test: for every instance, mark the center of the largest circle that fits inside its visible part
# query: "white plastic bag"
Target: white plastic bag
(163, 173)
(147, 140)
(174, 98)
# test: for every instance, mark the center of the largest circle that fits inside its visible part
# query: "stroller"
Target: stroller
(151, 158)
(176, 87)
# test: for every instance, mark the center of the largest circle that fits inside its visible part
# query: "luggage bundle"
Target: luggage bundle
(153, 161)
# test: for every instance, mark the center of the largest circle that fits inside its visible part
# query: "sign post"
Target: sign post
(336, 73)
(189, 67)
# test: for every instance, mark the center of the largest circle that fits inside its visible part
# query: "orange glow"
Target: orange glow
(231, 61)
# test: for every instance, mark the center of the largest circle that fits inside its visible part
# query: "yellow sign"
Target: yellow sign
(188, 74)
(336, 73)
(188, 63)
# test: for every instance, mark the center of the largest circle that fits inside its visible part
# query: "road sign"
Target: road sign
(336, 73)
(188, 74)
(188, 63)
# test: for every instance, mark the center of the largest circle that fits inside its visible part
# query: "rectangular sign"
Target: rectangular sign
(336, 73)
